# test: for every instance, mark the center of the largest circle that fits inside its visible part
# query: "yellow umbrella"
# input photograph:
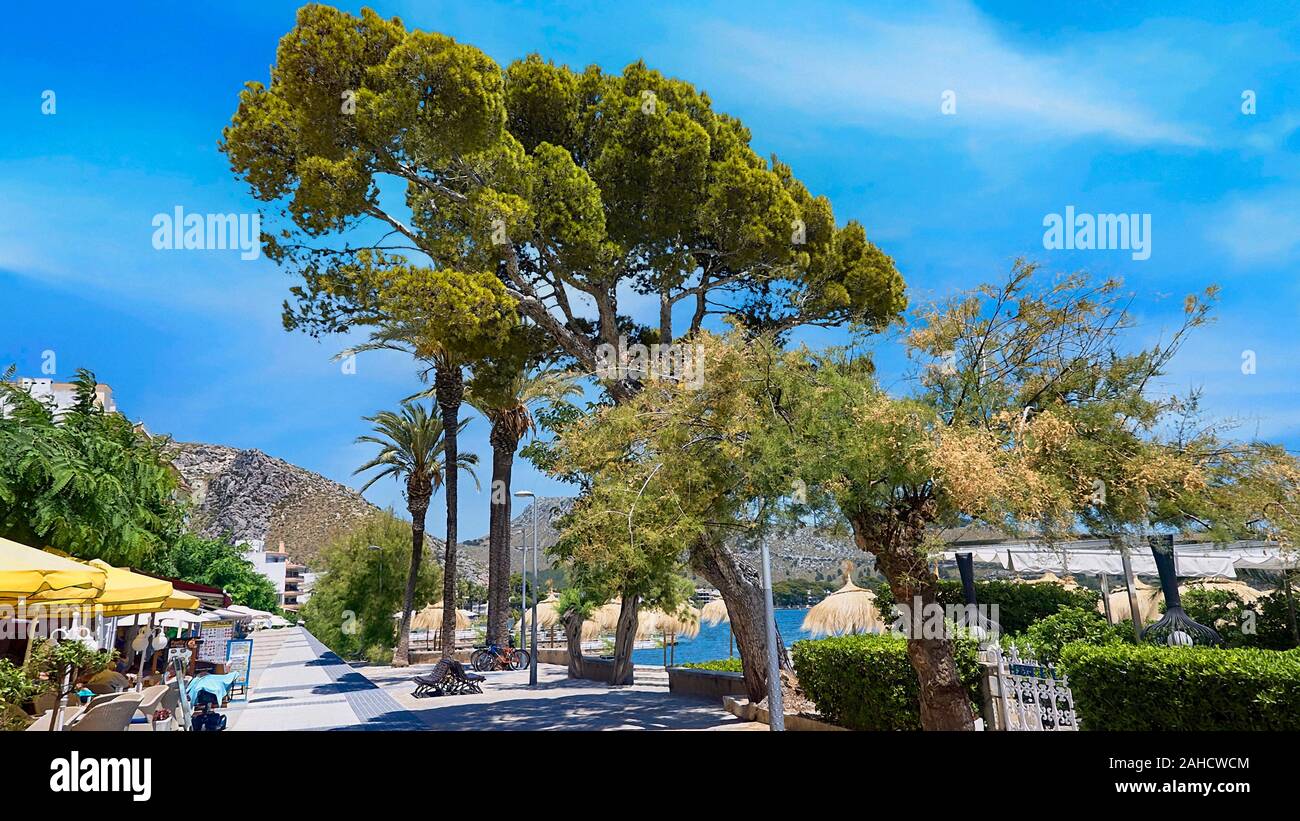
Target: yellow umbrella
(715, 612)
(41, 577)
(851, 609)
(590, 630)
(126, 592)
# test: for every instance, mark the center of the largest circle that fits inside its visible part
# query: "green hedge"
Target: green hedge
(731, 665)
(866, 682)
(1019, 605)
(1149, 687)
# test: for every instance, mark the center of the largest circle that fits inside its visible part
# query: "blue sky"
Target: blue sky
(1101, 106)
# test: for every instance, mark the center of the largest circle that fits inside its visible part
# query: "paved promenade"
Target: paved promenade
(298, 684)
(556, 703)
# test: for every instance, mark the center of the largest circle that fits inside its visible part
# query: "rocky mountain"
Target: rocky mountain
(549, 508)
(805, 553)
(248, 495)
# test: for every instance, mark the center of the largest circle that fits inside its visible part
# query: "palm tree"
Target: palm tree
(508, 407)
(448, 391)
(412, 448)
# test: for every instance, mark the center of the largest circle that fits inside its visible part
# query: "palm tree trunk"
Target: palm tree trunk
(402, 652)
(450, 390)
(499, 536)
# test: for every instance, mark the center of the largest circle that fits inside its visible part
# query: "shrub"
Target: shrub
(866, 682)
(1072, 624)
(1149, 687)
(731, 665)
(1019, 605)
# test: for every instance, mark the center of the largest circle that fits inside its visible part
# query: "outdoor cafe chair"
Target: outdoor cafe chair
(110, 716)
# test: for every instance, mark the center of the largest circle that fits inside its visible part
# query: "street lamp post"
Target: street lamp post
(532, 656)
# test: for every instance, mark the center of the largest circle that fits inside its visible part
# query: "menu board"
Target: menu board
(239, 659)
(215, 634)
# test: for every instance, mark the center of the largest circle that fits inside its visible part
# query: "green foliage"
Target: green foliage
(574, 180)
(89, 484)
(351, 608)
(866, 682)
(16, 685)
(53, 659)
(1149, 687)
(797, 592)
(1071, 624)
(1019, 605)
(1272, 623)
(220, 564)
(731, 665)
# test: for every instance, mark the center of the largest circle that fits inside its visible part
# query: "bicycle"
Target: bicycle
(496, 657)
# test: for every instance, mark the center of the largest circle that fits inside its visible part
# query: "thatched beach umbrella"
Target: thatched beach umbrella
(548, 615)
(714, 612)
(1148, 599)
(1245, 592)
(1067, 582)
(607, 614)
(430, 619)
(851, 609)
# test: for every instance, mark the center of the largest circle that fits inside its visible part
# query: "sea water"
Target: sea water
(712, 642)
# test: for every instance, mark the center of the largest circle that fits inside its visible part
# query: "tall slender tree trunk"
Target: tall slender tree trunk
(418, 492)
(625, 638)
(449, 387)
(499, 536)
(895, 540)
(742, 592)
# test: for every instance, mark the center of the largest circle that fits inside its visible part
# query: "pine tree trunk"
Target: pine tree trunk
(895, 540)
(624, 638)
(449, 388)
(499, 537)
(742, 591)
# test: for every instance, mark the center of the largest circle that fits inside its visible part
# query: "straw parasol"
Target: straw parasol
(1247, 594)
(430, 618)
(548, 615)
(647, 623)
(1148, 599)
(714, 612)
(590, 630)
(1067, 582)
(607, 614)
(686, 623)
(851, 609)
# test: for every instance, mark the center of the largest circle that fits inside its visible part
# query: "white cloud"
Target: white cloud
(878, 72)
(1261, 230)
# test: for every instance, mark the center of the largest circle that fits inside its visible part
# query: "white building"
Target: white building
(287, 576)
(63, 395)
